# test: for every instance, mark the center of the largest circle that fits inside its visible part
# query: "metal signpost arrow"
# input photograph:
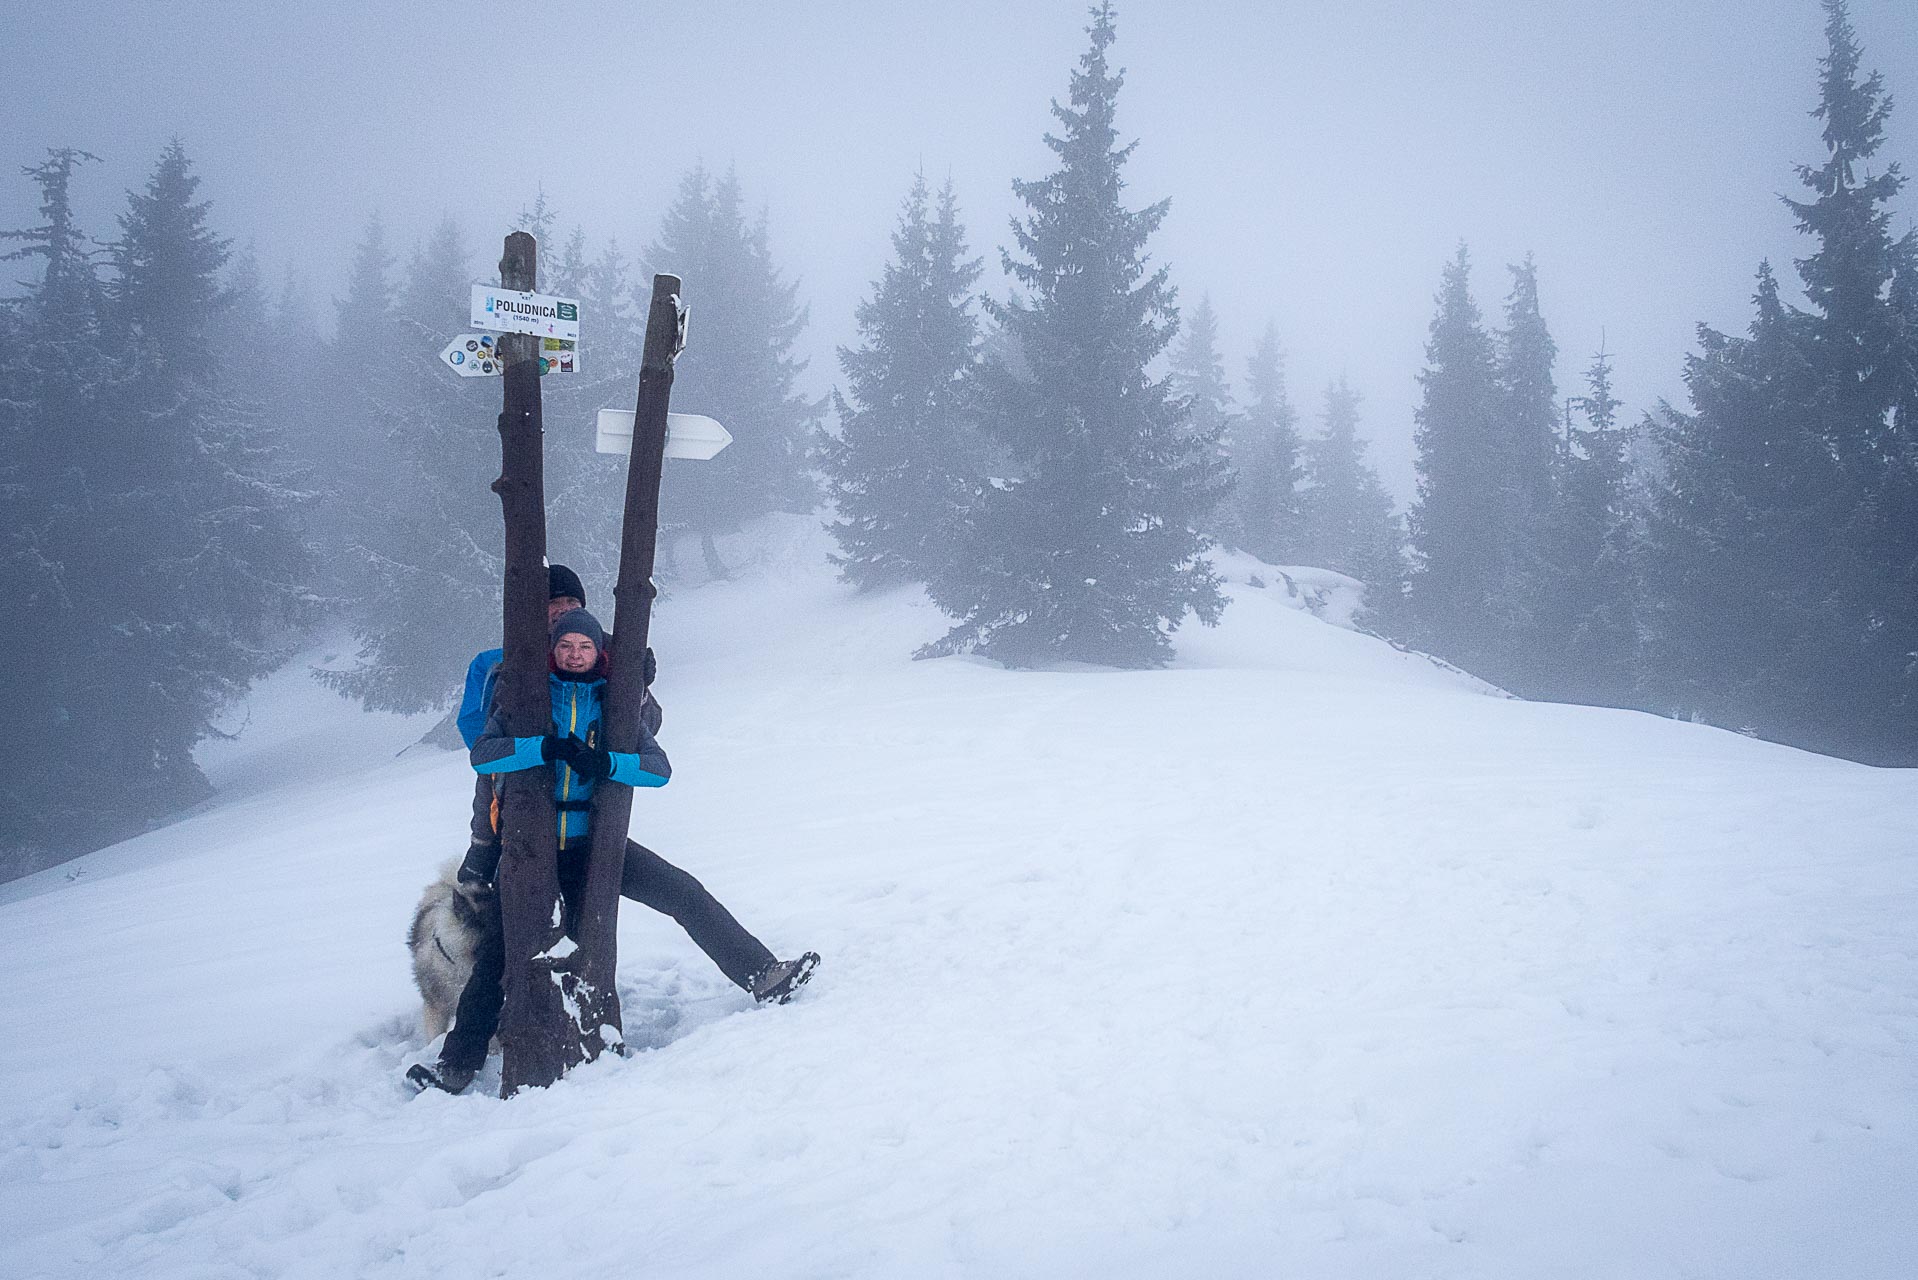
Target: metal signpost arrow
(688, 435)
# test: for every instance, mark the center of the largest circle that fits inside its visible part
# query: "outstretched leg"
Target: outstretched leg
(651, 881)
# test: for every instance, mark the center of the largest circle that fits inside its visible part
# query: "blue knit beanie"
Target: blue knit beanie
(578, 622)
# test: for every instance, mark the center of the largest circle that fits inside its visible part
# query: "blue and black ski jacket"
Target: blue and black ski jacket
(576, 714)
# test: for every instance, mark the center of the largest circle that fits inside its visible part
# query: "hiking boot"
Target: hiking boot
(779, 981)
(448, 1079)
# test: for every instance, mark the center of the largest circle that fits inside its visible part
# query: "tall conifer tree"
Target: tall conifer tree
(1089, 548)
(738, 366)
(353, 461)
(1456, 530)
(1782, 551)
(56, 370)
(161, 554)
(1198, 374)
(1582, 626)
(431, 561)
(1524, 452)
(900, 467)
(1529, 396)
(1347, 522)
(1266, 452)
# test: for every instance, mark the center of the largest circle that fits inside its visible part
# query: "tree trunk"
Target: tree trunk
(715, 567)
(534, 1025)
(597, 994)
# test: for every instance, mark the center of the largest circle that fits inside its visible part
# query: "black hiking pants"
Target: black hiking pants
(647, 879)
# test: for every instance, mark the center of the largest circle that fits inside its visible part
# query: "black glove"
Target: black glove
(591, 763)
(649, 667)
(480, 865)
(555, 747)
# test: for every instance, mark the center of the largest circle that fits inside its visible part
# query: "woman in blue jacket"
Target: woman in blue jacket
(580, 763)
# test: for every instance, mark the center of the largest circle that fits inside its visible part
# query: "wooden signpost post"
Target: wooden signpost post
(532, 1025)
(625, 689)
(562, 1003)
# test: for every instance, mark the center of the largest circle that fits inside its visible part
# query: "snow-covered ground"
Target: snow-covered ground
(1305, 957)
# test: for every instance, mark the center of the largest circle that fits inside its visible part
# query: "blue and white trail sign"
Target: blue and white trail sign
(510, 311)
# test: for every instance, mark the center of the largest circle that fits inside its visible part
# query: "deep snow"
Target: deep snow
(1305, 957)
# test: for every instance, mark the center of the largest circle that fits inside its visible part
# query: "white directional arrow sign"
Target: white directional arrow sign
(688, 435)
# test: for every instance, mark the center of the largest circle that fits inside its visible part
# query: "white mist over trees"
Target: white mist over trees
(1051, 454)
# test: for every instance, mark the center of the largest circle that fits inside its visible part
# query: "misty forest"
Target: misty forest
(1252, 789)
(1048, 446)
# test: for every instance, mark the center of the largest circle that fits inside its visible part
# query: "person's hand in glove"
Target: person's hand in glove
(480, 865)
(590, 763)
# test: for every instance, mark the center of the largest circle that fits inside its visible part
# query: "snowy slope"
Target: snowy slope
(1305, 957)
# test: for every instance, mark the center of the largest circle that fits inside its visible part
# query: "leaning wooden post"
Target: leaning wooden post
(533, 1028)
(633, 595)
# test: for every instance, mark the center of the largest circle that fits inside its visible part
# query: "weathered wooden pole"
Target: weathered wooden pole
(534, 1026)
(633, 594)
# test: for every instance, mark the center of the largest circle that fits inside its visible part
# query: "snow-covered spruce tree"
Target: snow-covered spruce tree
(155, 549)
(738, 365)
(1456, 529)
(431, 561)
(1738, 542)
(1863, 290)
(56, 373)
(1529, 395)
(900, 467)
(1346, 517)
(1526, 452)
(218, 605)
(1582, 618)
(1782, 558)
(1266, 453)
(1089, 549)
(346, 446)
(261, 337)
(1198, 375)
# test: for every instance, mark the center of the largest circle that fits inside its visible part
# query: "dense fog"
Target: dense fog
(1035, 305)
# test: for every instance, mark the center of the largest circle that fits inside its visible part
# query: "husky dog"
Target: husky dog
(445, 935)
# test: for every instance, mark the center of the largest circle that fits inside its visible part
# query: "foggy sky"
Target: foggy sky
(1323, 160)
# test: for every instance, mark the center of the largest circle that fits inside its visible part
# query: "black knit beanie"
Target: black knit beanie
(578, 622)
(561, 581)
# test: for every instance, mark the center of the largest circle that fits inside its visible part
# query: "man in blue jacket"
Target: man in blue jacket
(578, 681)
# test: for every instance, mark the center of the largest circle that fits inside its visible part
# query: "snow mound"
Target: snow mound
(1301, 956)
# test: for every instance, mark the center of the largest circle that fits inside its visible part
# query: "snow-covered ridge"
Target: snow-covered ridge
(1302, 956)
